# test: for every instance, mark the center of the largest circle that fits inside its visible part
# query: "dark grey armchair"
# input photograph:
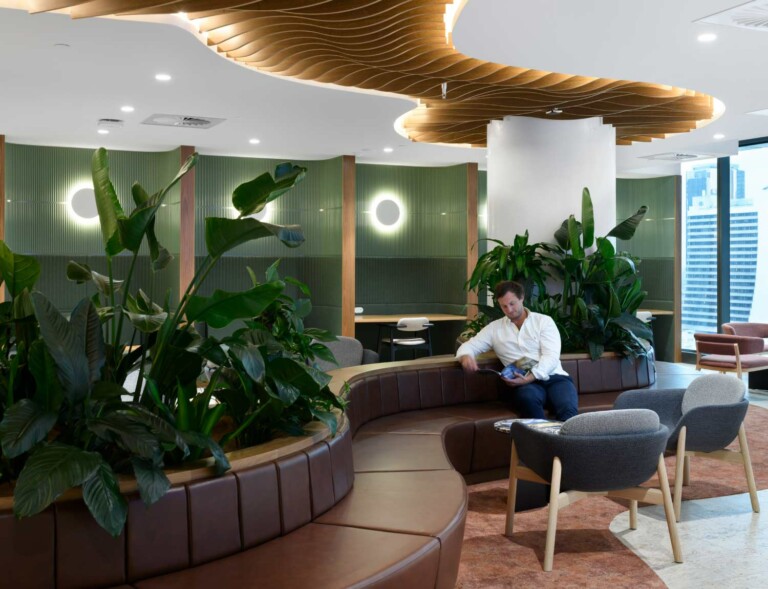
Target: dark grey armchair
(348, 351)
(608, 453)
(702, 420)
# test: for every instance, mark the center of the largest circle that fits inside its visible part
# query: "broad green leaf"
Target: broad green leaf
(251, 197)
(587, 218)
(103, 285)
(561, 236)
(67, 348)
(303, 288)
(48, 393)
(634, 325)
(101, 494)
(140, 196)
(151, 479)
(24, 424)
(303, 307)
(162, 428)
(573, 237)
(127, 432)
(107, 203)
(79, 273)
(183, 411)
(200, 441)
(18, 271)
(51, 470)
(252, 361)
(222, 234)
(147, 323)
(291, 379)
(326, 417)
(626, 229)
(272, 275)
(22, 307)
(133, 229)
(104, 390)
(85, 321)
(224, 307)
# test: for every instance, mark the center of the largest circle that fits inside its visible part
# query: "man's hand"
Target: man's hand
(468, 363)
(519, 380)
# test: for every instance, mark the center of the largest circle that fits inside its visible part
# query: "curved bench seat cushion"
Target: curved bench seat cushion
(399, 452)
(318, 556)
(429, 503)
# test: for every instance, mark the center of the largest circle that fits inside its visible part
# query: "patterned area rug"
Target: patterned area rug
(587, 554)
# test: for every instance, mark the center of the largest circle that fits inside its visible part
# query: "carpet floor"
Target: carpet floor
(587, 554)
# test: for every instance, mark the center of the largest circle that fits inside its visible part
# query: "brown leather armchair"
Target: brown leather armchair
(750, 330)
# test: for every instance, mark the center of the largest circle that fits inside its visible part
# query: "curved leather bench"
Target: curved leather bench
(290, 517)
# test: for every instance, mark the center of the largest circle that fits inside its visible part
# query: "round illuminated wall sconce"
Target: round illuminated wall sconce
(387, 213)
(81, 205)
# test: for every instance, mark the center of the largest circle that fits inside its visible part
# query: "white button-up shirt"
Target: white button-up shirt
(538, 340)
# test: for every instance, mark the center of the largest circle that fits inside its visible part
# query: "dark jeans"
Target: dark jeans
(558, 394)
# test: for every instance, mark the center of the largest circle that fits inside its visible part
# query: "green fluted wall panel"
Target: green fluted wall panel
(482, 212)
(39, 180)
(421, 267)
(317, 262)
(654, 244)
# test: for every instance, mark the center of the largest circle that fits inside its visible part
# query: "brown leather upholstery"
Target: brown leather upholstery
(321, 557)
(749, 329)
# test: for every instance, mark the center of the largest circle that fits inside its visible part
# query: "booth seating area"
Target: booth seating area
(382, 504)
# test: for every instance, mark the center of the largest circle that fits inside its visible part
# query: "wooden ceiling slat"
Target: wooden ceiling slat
(400, 46)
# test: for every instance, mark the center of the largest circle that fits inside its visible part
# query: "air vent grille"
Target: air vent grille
(752, 15)
(185, 121)
(676, 156)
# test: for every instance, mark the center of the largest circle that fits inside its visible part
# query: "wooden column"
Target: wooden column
(187, 225)
(348, 221)
(677, 318)
(472, 181)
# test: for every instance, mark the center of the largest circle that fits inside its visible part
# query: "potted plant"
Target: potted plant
(68, 421)
(598, 290)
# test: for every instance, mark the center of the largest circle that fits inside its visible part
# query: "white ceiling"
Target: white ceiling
(52, 95)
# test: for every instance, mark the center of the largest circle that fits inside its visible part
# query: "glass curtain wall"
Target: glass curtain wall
(747, 235)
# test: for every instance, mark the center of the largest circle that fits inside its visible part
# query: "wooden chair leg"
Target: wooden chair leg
(554, 494)
(748, 469)
(679, 468)
(669, 510)
(512, 492)
(687, 471)
(632, 514)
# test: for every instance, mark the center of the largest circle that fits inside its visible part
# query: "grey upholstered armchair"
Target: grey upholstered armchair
(702, 419)
(348, 352)
(607, 452)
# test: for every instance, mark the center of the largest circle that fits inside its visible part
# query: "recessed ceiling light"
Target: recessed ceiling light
(706, 37)
(103, 131)
(388, 150)
(254, 141)
(163, 77)
(127, 108)
(719, 136)
(554, 111)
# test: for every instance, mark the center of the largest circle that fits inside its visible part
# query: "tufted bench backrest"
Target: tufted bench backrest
(63, 548)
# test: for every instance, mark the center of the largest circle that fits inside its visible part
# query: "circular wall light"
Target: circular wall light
(81, 204)
(387, 213)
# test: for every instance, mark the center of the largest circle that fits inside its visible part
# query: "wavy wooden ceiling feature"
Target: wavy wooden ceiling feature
(400, 47)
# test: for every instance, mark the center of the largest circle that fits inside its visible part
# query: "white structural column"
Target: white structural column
(537, 169)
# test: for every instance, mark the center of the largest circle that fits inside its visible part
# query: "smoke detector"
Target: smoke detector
(185, 121)
(677, 156)
(750, 15)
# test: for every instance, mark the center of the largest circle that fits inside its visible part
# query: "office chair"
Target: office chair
(408, 325)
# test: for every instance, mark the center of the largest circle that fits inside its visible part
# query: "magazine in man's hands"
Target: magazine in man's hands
(547, 425)
(521, 367)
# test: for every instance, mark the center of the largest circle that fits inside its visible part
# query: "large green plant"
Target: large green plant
(599, 289)
(67, 420)
(520, 261)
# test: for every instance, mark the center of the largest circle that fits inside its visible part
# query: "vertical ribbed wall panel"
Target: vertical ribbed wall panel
(421, 267)
(482, 212)
(654, 240)
(39, 179)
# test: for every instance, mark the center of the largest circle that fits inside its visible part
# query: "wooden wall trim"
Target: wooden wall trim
(677, 318)
(472, 233)
(187, 224)
(348, 222)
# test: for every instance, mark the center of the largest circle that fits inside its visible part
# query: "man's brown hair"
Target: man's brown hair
(507, 286)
